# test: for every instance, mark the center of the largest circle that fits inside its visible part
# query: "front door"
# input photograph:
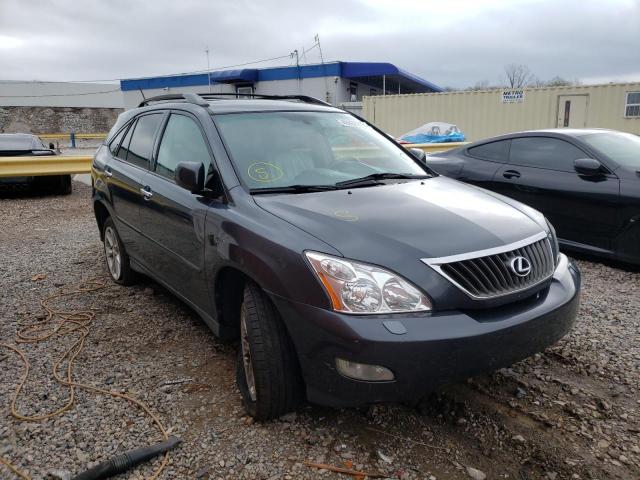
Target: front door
(540, 173)
(572, 111)
(172, 218)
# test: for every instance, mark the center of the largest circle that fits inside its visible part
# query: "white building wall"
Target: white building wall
(334, 90)
(60, 94)
(131, 98)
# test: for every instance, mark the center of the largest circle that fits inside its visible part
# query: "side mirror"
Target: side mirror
(190, 176)
(419, 154)
(587, 166)
(51, 146)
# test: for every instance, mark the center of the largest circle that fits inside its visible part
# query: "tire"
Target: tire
(64, 185)
(116, 256)
(267, 370)
(57, 185)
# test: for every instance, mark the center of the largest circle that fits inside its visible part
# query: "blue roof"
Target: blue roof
(364, 72)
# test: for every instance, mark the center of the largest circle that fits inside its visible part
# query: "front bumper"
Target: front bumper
(437, 347)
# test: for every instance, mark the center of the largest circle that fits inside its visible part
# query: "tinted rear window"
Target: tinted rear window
(494, 151)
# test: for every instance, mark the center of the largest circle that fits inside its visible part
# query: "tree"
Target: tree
(558, 81)
(518, 75)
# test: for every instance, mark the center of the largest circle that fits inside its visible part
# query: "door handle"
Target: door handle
(146, 193)
(511, 174)
(108, 172)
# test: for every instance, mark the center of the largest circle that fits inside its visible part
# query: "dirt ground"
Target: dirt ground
(570, 412)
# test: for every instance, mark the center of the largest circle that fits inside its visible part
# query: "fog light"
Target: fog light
(362, 371)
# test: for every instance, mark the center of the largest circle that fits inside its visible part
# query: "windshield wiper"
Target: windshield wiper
(374, 177)
(293, 189)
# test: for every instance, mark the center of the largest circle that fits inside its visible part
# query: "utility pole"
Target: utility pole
(208, 68)
(326, 86)
(295, 54)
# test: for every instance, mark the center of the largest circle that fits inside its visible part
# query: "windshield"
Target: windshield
(623, 148)
(17, 142)
(281, 149)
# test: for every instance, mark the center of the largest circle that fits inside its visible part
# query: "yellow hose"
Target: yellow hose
(59, 324)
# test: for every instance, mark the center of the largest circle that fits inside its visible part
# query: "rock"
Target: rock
(384, 458)
(520, 392)
(289, 417)
(83, 458)
(518, 439)
(476, 474)
(603, 444)
(203, 472)
(59, 474)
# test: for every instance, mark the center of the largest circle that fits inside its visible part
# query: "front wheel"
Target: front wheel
(116, 255)
(267, 371)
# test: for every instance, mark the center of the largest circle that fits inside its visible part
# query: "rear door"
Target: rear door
(540, 173)
(125, 171)
(172, 217)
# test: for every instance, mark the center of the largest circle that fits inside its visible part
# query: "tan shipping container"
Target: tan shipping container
(485, 113)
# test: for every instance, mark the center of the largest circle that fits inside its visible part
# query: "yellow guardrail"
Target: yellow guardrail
(66, 136)
(67, 164)
(44, 165)
(435, 147)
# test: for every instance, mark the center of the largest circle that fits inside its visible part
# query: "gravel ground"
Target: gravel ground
(570, 412)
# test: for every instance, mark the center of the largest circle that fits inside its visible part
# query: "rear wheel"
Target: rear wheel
(58, 185)
(64, 186)
(267, 371)
(116, 256)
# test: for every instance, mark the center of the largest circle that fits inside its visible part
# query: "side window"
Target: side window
(494, 151)
(115, 143)
(141, 144)
(544, 152)
(182, 142)
(124, 146)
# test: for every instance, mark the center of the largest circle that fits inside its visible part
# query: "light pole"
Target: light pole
(208, 68)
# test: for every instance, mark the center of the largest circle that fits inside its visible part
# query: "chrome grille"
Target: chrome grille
(489, 273)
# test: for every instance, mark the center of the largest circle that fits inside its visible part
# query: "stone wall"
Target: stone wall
(42, 120)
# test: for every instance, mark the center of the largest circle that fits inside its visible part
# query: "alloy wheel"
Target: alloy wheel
(246, 355)
(112, 252)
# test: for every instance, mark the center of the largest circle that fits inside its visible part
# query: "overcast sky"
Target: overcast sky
(449, 43)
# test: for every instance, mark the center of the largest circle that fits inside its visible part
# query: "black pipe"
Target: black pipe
(127, 460)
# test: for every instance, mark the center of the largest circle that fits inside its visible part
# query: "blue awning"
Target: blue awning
(248, 75)
(372, 73)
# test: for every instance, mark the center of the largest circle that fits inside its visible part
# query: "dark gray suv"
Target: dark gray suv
(348, 270)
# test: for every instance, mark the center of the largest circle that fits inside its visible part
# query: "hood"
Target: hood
(433, 218)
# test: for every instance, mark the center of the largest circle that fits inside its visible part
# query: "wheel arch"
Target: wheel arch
(101, 213)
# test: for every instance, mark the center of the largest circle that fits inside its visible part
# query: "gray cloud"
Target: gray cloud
(454, 44)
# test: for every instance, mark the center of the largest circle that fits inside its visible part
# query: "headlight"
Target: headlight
(356, 287)
(553, 238)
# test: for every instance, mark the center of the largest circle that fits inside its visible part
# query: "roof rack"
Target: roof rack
(187, 97)
(197, 98)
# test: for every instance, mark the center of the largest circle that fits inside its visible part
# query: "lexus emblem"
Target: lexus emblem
(520, 266)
